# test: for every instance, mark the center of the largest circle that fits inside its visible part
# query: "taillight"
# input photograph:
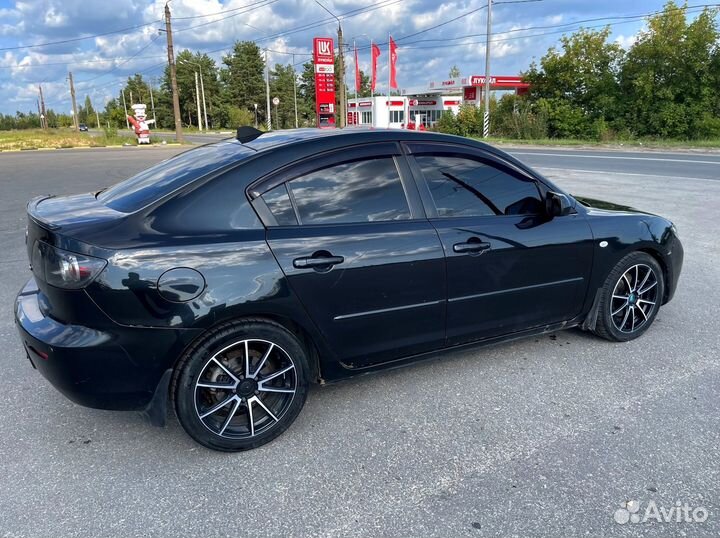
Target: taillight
(64, 269)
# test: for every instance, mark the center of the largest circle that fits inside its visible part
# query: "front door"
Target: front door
(365, 263)
(510, 266)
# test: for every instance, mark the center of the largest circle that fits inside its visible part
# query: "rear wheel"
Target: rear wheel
(630, 298)
(241, 386)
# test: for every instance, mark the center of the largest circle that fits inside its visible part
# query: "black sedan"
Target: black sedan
(228, 278)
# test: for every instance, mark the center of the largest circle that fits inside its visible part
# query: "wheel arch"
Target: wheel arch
(657, 255)
(297, 329)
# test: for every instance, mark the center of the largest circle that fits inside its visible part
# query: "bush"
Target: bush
(707, 126)
(237, 117)
(514, 117)
(564, 119)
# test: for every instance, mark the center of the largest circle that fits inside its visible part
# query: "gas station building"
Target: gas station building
(423, 105)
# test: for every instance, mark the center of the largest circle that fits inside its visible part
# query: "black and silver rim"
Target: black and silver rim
(245, 389)
(634, 298)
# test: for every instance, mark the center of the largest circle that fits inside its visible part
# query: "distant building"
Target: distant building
(423, 105)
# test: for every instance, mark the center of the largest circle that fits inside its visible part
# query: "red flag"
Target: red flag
(375, 54)
(393, 69)
(358, 80)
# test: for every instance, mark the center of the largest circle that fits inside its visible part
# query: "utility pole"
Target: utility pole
(202, 90)
(341, 77)
(97, 116)
(267, 91)
(173, 76)
(39, 113)
(152, 105)
(486, 115)
(74, 104)
(42, 109)
(295, 90)
(197, 98)
(127, 122)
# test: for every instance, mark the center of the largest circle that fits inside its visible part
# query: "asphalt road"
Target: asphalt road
(547, 436)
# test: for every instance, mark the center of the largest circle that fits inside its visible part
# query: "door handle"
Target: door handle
(471, 247)
(319, 262)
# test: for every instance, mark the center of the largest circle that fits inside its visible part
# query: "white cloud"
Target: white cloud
(100, 65)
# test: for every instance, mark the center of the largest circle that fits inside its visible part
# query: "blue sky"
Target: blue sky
(100, 64)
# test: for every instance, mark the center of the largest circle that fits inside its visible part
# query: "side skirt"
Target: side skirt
(414, 359)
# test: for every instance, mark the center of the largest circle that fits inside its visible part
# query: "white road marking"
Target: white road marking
(615, 173)
(716, 163)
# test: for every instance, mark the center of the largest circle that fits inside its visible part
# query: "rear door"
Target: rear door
(350, 234)
(510, 267)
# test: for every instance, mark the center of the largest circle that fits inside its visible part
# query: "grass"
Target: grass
(60, 138)
(636, 143)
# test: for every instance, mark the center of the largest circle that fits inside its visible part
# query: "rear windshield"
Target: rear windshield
(167, 176)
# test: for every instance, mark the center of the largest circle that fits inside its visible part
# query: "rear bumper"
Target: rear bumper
(115, 367)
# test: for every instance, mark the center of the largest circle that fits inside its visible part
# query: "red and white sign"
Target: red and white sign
(470, 93)
(324, 60)
(499, 82)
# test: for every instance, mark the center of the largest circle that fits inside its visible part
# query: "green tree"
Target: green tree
(364, 85)
(454, 72)
(306, 94)
(187, 64)
(668, 81)
(578, 84)
(242, 78)
(282, 87)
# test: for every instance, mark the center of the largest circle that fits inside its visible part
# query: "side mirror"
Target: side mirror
(558, 205)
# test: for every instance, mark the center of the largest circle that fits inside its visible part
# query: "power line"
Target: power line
(73, 40)
(248, 9)
(74, 63)
(690, 9)
(217, 12)
(526, 36)
(115, 68)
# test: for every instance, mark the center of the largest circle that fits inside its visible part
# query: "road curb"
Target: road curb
(174, 144)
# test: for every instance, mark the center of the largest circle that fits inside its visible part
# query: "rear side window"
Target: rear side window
(278, 202)
(367, 190)
(467, 187)
(167, 176)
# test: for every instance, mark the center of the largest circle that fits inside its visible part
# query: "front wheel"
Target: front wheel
(630, 298)
(241, 386)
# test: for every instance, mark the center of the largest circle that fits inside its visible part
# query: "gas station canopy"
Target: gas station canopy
(469, 86)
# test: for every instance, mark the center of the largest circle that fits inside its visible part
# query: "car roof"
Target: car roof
(348, 136)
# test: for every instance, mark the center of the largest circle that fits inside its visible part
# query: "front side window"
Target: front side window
(467, 187)
(359, 191)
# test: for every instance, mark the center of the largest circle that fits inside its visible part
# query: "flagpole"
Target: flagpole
(389, 62)
(372, 87)
(356, 70)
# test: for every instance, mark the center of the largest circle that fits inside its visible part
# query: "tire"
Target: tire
(630, 298)
(229, 404)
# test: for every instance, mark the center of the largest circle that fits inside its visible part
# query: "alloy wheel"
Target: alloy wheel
(245, 388)
(634, 298)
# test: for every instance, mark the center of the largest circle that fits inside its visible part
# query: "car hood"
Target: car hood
(601, 206)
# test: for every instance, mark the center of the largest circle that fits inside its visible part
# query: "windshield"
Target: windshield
(167, 176)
